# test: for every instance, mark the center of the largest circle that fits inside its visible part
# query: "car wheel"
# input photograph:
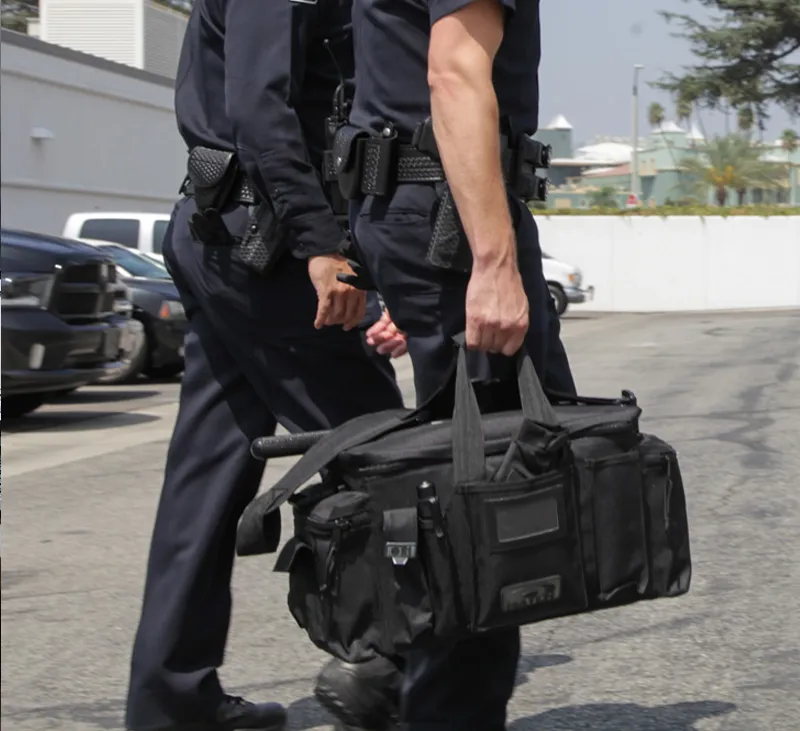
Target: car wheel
(559, 298)
(15, 406)
(132, 366)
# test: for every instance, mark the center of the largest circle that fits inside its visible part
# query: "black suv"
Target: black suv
(62, 326)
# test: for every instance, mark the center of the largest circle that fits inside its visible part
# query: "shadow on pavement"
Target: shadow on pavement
(624, 717)
(75, 421)
(530, 663)
(103, 394)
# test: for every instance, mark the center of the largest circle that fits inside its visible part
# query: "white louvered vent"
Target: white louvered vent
(105, 28)
(163, 36)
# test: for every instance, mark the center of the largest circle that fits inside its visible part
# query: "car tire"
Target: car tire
(14, 407)
(133, 365)
(559, 298)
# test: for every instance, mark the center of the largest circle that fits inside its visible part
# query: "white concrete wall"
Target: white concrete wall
(650, 264)
(114, 146)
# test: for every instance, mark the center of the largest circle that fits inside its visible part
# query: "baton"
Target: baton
(285, 445)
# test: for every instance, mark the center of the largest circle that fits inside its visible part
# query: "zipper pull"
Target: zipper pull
(667, 490)
(330, 559)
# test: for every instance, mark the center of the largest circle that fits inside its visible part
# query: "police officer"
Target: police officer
(273, 336)
(472, 66)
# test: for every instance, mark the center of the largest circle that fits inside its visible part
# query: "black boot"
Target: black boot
(362, 697)
(237, 714)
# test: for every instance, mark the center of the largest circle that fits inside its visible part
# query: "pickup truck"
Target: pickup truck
(142, 231)
(66, 321)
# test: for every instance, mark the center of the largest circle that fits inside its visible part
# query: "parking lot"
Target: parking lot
(82, 479)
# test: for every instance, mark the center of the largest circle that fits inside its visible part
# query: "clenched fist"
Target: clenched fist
(497, 308)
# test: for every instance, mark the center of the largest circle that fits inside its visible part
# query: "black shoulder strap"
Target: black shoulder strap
(258, 531)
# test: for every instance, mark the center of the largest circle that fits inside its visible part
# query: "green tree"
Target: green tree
(790, 140)
(683, 110)
(745, 119)
(606, 197)
(655, 114)
(744, 55)
(732, 163)
(14, 15)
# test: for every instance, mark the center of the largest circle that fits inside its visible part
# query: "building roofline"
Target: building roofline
(21, 40)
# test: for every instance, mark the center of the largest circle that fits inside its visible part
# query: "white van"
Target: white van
(142, 231)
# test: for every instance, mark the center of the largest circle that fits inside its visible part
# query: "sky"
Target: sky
(589, 48)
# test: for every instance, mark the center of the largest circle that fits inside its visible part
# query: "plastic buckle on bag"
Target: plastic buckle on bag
(400, 553)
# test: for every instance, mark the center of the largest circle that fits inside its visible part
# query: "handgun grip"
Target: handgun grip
(449, 248)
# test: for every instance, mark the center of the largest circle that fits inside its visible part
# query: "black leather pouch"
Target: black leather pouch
(212, 174)
(348, 160)
(262, 243)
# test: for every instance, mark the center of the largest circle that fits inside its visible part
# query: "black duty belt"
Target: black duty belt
(241, 192)
(365, 164)
(409, 165)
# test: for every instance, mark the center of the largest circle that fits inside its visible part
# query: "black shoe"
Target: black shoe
(237, 714)
(362, 697)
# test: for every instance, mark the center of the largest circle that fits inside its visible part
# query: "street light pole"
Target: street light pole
(635, 154)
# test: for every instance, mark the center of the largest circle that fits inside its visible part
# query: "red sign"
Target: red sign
(632, 200)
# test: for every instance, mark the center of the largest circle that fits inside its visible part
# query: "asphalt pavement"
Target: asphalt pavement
(82, 479)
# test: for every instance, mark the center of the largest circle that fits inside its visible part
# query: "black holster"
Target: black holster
(212, 175)
(215, 179)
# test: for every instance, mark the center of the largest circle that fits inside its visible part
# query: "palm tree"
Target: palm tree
(745, 119)
(683, 110)
(790, 141)
(732, 163)
(655, 114)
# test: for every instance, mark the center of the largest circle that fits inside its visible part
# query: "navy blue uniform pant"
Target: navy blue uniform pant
(466, 686)
(252, 359)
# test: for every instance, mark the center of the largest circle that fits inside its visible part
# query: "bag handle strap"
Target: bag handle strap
(469, 458)
(260, 528)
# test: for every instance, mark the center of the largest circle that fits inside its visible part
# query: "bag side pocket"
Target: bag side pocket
(615, 541)
(334, 582)
(407, 609)
(667, 520)
(445, 597)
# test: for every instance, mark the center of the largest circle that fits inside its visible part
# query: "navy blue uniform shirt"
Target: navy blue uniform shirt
(391, 48)
(255, 77)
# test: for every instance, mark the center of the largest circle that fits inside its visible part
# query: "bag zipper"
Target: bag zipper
(335, 532)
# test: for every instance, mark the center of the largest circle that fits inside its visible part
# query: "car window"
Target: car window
(159, 229)
(138, 266)
(124, 231)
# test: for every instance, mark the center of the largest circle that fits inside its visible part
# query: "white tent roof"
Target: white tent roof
(668, 127)
(559, 122)
(610, 153)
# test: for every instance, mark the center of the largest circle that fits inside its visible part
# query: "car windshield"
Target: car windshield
(135, 264)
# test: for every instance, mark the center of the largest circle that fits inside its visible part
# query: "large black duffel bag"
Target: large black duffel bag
(426, 529)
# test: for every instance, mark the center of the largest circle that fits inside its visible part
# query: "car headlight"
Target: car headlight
(171, 310)
(575, 278)
(27, 290)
